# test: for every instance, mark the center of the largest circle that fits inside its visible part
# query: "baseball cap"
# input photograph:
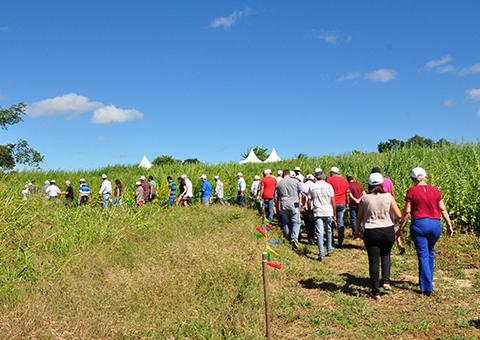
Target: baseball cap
(183, 176)
(82, 180)
(203, 177)
(47, 182)
(375, 179)
(67, 182)
(104, 176)
(256, 177)
(335, 170)
(280, 172)
(239, 174)
(418, 173)
(297, 168)
(318, 170)
(267, 172)
(137, 183)
(216, 177)
(53, 181)
(143, 178)
(310, 176)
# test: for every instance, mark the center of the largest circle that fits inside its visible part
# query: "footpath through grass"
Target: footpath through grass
(195, 273)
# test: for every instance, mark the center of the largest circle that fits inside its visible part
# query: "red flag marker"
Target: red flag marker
(274, 265)
(261, 232)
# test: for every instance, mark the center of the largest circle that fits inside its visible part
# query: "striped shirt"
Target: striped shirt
(84, 190)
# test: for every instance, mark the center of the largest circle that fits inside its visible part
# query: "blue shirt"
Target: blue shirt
(206, 189)
(84, 190)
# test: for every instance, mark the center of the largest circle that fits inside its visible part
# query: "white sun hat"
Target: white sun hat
(143, 178)
(318, 170)
(137, 183)
(297, 168)
(83, 180)
(267, 172)
(183, 176)
(418, 173)
(67, 182)
(53, 181)
(335, 170)
(239, 174)
(280, 172)
(203, 177)
(375, 179)
(216, 177)
(256, 177)
(104, 176)
(47, 182)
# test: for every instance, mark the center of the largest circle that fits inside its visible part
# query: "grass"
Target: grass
(195, 273)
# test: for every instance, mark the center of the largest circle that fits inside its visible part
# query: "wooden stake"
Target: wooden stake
(265, 296)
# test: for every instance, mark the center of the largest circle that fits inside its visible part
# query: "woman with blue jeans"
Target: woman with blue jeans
(424, 203)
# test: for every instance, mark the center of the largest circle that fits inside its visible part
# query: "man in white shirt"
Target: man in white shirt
(105, 191)
(188, 192)
(219, 190)
(53, 191)
(241, 188)
(322, 203)
(279, 176)
(298, 174)
(254, 192)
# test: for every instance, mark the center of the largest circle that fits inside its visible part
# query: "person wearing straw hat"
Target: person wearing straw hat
(241, 188)
(83, 192)
(375, 212)
(206, 190)
(341, 189)
(105, 191)
(219, 194)
(424, 204)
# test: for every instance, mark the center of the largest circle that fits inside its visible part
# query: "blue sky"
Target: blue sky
(109, 81)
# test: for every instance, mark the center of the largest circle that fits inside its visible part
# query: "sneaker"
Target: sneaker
(376, 297)
(294, 244)
(320, 258)
(386, 286)
(427, 293)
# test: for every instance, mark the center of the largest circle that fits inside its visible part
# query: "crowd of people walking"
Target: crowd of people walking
(320, 201)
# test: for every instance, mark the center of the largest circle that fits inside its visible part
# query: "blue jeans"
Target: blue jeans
(241, 200)
(425, 233)
(117, 202)
(269, 205)
(353, 219)
(105, 198)
(320, 224)
(340, 224)
(171, 201)
(290, 218)
(206, 201)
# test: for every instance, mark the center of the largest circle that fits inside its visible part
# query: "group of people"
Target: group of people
(318, 200)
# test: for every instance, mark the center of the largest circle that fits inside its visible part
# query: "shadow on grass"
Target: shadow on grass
(353, 286)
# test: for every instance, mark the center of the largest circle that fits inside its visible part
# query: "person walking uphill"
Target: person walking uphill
(206, 190)
(83, 192)
(152, 185)
(255, 193)
(53, 191)
(146, 188)
(341, 189)
(287, 199)
(424, 203)
(241, 188)
(356, 193)
(172, 191)
(375, 211)
(219, 191)
(105, 191)
(267, 191)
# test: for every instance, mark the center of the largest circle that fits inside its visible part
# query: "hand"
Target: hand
(450, 231)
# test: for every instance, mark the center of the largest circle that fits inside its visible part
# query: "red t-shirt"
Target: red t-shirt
(268, 184)
(357, 191)
(424, 200)
(340, 188)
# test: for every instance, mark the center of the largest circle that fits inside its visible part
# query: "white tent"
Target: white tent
(251, 158)
(273, 157)
(145, 163)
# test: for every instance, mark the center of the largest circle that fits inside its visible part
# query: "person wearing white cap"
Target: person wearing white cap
(306, 210)
(241, 188)
(146, 188)
(298, 174)
(25, 192)
(105, 191)
(279, 176)
(83, 192)
(424, 204)
(45, 187)
(287, 200)
(267, 192)
(206, 190)
(139, 193)
(187, 194)
(341, 189)
(255, 192)
(375, 212)
(219, 191)
(53, 191)
(68, 193)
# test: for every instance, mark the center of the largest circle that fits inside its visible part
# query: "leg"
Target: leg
(270, 210)
(388, 239)
(340, 224)
(319, 229)
(284, 221)
(373, 251)
(328, 221)
(296, 224)
(421, 245)
(353, 218)
(433, 237)
(310, 226)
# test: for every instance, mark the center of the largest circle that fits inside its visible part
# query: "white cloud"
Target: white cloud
(438, 62)
(4, 29)
(228, 21)
(69, 105)
(478, 113)
(475, 68)
(102, 139)
(382, 75)
(350, 76)
(473, 94)
(332, 37)
(444, 69)
(111, 114)
(449, 103)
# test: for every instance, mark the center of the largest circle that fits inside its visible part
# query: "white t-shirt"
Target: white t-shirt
(188, 184)
(106, 187)
(321, 193)
(53, 190)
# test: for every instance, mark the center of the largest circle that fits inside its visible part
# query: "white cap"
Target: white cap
(239, 174)
(67, 182)
(183, 176)
(83, 180)
(203, 177)
(216, 177)
(318, 170)
(104, 176)
(143, 178)
(310, 176)
(137, 183)
(297, 168)
(375, 179)
(335, 170)
(53, 181)
(280, 172)
(256, 177)
(418, 173)
(293, 174)
(267, 172)
(30, 183)
(47, 182)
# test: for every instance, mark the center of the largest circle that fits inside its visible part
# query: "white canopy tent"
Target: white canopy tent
(251, 158)
(145, 163)
(274, 157)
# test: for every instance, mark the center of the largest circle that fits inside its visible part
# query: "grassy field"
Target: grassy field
(195, 273)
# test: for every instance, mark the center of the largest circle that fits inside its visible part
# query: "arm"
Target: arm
(395, 210)
(446, 217)
(406, 214)
(359, 220)
(334, 206)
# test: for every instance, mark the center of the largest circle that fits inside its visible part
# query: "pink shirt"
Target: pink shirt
(388, 185)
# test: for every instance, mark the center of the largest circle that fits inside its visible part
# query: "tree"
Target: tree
(164, 160)
(301, 157)
(260, 151)
(191, 161)
(21, 152)
(415, 141)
